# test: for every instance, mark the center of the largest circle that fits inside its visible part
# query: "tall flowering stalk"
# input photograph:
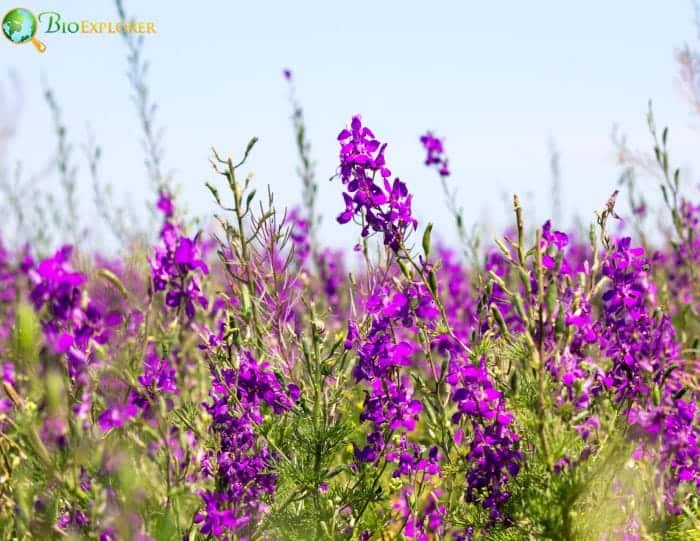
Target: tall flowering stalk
(436, 159)
(399, 312)
(245, 393)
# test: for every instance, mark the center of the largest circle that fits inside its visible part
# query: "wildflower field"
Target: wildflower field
(242, 381)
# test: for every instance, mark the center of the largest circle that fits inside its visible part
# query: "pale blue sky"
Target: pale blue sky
(496, 79)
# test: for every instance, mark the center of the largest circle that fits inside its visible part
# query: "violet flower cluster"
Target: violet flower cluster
(494, 457)
(381, 205)
(242, 467)
(157, 379)
(389, 404)
(70, 325)
(435, 154)
(174, 265)
(625, 349)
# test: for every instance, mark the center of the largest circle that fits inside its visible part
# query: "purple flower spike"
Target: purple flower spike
(383, 206)
(175, 266)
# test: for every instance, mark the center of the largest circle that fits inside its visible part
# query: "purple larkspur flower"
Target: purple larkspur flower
(176, 266)
(383, 206)
(244, 465)
(435, 153)
(116, 416)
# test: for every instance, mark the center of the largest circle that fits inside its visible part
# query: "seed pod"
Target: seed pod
(214, 192)
(524, 277)
(114, 280)
(502, 247)
(560, 323)
(404, 268)
(426, 240)
(499, 320)
(54, 391)
(519, 307)
(551, 300)
(26, 333)
(432, 282)
(498, 280)
(245, 303)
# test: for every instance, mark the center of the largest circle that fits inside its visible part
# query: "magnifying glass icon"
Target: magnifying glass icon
(19, 26)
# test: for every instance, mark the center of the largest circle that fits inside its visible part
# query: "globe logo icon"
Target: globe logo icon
(19, 26)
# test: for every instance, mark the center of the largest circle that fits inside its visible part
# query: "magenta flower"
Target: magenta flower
(381, 205)
(116, 416)
(175, 268)
(165, 204)
(435, 154)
